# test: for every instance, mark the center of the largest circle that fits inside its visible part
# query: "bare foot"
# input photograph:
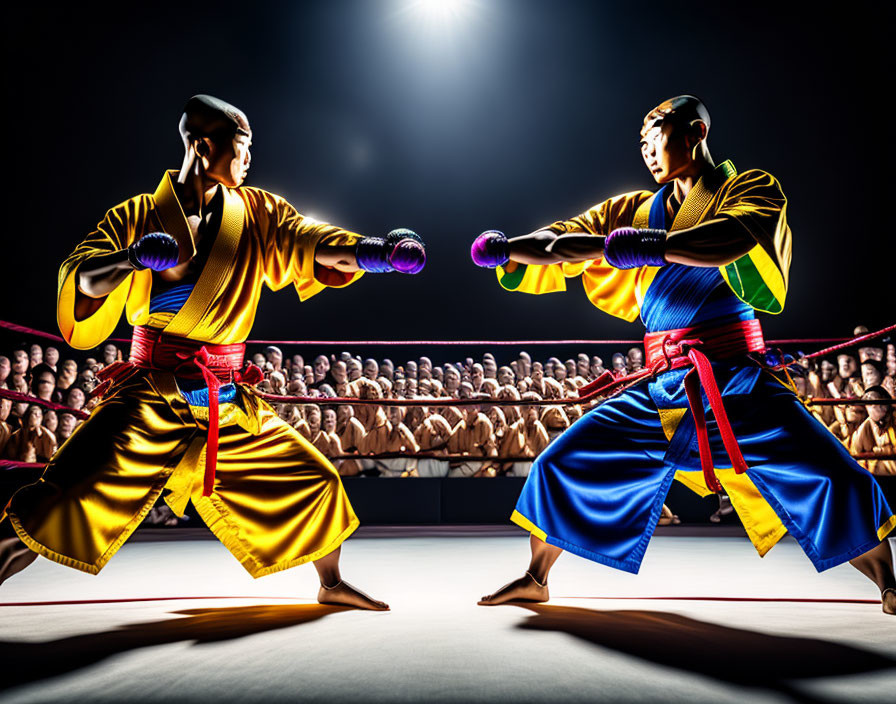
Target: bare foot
(344, 594)
(888, 599)
(523, 589)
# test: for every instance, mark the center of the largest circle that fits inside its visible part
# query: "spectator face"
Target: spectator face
(582, 365)
(505, 376)
(524, 364)
(67, 423)
(477, 374)
(354, 370)
(52, 357)
(412, 369)
(438, 374)
(370, 369)
(314, 420)
(92, 365)
(386, 371)
(45, 385)
(19, 362)
(570, 367)
(298, 362)
(258, 360)
(5, 369)
(37, 355)
(855, 414)
(5, 408)
(394, 415)
(75, 398)
(876, 412)
(343, 413)
(329, 421)
(33, 417)
(597, 366)
(560, 372)
(537, 371)
(635, 359)
(321, 367)
(871, 376)
(452, 380)
(340, 372)
(490, 369)
(274, 357)
(846, 366)
(51, 420)
(424, 368)
(618, 362)
(19, 384)
(309, 375)
(827, 371)
(110, 354)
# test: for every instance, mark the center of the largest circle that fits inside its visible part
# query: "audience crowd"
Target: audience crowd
(455, 441)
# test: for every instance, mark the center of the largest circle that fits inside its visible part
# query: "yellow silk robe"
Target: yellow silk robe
(277, 501)
(755, 200)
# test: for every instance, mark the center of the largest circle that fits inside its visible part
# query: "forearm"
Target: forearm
(337, 256)
(710, 244)
(99, 275)
(534, 248)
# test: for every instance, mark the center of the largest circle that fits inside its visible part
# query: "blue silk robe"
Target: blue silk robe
(598, 489)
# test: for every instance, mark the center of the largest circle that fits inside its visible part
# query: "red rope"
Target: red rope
(456, 343)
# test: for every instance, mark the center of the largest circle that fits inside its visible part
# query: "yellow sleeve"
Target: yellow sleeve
(288, 242)
(759, 278)
(613, 291)
(116, 231)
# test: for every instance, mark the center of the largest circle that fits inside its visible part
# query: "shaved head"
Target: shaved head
(681, 111)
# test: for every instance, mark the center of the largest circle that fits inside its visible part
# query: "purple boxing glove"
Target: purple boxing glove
(491, 249)
(401, 250)
(156, 251)
(629, 248)
(408, 257)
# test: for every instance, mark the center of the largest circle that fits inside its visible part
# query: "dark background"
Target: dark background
(515, 114)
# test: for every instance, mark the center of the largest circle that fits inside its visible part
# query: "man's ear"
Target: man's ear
(203, 146)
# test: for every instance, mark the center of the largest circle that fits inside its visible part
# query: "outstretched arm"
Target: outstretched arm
(713, 243)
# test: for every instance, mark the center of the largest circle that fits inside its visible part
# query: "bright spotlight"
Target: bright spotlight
(441, 13)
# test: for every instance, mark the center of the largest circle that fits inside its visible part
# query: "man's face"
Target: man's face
(5, 367)
(827, 371)
(452, 380)
(37, 355)
(846, 366)
(635, 359)
(505, 376)
(52, 356)
(314, 421)
(67, 424)
(665, 151)
(354, 370)
(876, 412)
(370, 369)
(340, 373)
(321, 366)
(329, 420)
(228, 162)
(5, 408)
(34, 416)
(75, 398)
(110, 354)
(870, 376)
(19, 362)
(45, 386)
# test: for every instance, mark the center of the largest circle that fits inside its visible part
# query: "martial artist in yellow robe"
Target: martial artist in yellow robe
(277, 502)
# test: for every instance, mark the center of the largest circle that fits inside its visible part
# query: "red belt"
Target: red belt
(675, 349)
(187, 359)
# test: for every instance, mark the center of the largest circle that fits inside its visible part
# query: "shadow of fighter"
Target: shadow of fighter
(734, 655)
(32, 662)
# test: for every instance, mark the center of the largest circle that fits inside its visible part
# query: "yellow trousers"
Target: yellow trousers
(277, 501)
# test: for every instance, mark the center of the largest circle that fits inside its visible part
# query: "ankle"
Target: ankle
(543, 582)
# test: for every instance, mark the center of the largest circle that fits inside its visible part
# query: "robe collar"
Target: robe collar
(700, 196)
(220, 260)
